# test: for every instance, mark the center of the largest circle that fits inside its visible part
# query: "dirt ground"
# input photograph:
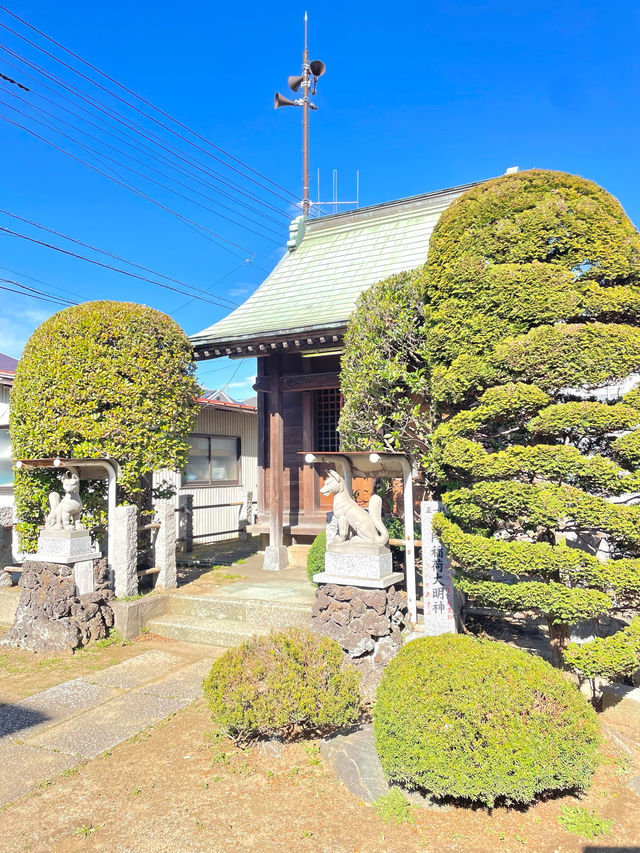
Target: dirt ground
(175, 787)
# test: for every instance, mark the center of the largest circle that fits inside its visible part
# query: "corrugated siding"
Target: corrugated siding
(214, 525)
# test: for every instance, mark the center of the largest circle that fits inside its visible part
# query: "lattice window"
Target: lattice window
(327, 405)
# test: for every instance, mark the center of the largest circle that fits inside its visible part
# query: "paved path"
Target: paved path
(53, 731)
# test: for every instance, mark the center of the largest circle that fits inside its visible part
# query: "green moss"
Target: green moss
(483, 722)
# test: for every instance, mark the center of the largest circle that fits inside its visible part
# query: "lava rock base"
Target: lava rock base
(51, 617)
(366, 622)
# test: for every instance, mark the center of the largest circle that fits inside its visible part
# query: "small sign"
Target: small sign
(439, 609)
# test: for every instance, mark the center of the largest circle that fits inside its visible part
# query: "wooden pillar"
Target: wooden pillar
(276, 453)
(275, 555)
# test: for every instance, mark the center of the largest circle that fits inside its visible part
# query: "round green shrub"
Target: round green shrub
(481, 721)
(315, 557)
(289, 683)
(101, 379)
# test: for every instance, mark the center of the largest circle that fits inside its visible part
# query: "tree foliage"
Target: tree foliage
(384, 376)
(529, 321)
(101, 379)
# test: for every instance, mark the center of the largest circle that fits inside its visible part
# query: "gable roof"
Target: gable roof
(330, 261)
(7, 369)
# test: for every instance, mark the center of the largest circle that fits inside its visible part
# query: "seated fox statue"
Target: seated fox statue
(367, 527)
(65, 510)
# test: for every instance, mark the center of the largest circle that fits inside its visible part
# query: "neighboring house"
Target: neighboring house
(294, 325)
(221, 472)
(7, 372)
(222, 467)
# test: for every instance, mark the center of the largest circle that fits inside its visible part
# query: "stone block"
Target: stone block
(130, 617)
(353, 759)
(275, 558)
(125, 550)
(6, 534)
(352, 565)
(64, 546)
(165, 547)
(134, 672)
(22, 767)
(83, 576)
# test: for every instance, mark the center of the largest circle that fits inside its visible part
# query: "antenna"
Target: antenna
(313, 69)
(334, 192)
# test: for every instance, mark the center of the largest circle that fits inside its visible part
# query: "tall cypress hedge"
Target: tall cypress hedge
(532, 342)
(101, 378)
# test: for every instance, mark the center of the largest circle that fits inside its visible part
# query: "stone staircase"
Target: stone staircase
(226, 620)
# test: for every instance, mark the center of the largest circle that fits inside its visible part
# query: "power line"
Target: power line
(216, 282)
(134, 171)
(137, 129)
(137, 109)
(39, 281)
(126, 185)
(106, 266)
(34, 293)
(63, 236)
(139, 147)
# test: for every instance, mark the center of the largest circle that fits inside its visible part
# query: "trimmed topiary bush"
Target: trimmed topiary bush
(315, 557)
(290, 683)
(101, 379)
(481, 721)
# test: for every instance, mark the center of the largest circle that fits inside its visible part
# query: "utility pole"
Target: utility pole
(305, 123)
(307, 80)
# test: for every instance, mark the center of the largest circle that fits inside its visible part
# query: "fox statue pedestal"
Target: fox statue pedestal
(357, 564)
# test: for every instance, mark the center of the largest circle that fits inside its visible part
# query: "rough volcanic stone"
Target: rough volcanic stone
(345, 593)
(322, 600)
(357, 643)
(49, 617)
(358, 607)
(377, 626)
(376, 599)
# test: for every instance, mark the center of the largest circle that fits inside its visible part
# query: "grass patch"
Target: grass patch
(86, 831)
(393, 808)
(578, 821)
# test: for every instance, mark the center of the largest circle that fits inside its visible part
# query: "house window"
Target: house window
(213, 460)
(6, 473)
(327, 405)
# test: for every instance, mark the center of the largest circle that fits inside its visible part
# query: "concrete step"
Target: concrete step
(216, 632)
(271, 614)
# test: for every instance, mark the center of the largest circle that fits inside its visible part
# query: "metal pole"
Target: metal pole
(305, 124)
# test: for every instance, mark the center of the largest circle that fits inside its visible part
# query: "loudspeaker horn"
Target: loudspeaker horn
(294, 82)
(317, 67)
(280, 101)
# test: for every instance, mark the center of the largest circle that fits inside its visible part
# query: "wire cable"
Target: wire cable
(137, 109)
(137, 129)
(126, 185)
(206, 291)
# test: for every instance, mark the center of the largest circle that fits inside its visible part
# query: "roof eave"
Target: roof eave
(257, 344)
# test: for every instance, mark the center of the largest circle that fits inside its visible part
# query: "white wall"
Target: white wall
(217, 524)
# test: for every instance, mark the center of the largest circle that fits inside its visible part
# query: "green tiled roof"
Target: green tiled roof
(316, 284)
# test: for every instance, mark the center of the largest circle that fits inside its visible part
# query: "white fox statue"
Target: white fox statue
(367, 526)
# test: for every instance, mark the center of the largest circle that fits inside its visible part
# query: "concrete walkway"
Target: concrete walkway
(60, 728)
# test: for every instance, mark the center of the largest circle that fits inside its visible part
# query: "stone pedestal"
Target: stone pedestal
(368, 566)
(165, 548)
(124, 560)
(52, 616)
(366, 622)
(6, 531)
(276, 557)
(71, 548)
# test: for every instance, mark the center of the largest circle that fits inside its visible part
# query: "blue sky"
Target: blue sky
(416, 97)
